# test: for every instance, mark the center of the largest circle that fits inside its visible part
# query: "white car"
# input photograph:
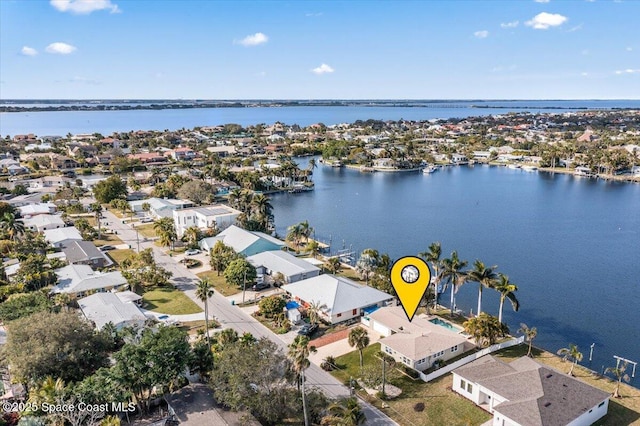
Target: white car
(191, 252)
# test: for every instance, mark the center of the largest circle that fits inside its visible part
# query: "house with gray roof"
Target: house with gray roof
(42, 222)
(59, 236)
(85, 253)
(341, 298)
(246, 243)
(80, 280)
(277, 261)
(527, 393)
(107, 307)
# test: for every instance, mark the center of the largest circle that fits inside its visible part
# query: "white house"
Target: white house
(104, 308)
(246, 243)
(524, 393)
(57, 237)
(160, 207)
(277, 261)
(341, 299)
(217, 216)
(81, 279)
(43, 222)
(419, 343)
(37, 208)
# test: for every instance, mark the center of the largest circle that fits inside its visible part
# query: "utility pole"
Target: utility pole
(244, 285)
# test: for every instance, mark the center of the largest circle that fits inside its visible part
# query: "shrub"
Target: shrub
(419, 407)
(410, 372)
(328, 364)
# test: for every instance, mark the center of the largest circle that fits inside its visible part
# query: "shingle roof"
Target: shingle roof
(337, 293)
(79, 251)
(536, 394)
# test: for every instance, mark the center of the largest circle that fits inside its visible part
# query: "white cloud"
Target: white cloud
(481, 34)
(84, 7)
(509, 24)
(629, 49)
(584, 74)
(576, 28)
(28, 51)
(60, 48)
(544, 20)
(541, 1)
(322, 69)
(252, 40)
(628, 71)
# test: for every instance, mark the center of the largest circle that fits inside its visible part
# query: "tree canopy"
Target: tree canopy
(240, 272)
(109, 189)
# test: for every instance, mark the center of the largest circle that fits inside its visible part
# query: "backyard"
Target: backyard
(219, 283)
(119, 255)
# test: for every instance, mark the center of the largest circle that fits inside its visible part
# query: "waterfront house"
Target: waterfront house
(80, 280)
(583, 171)
(277, 261)
(417, 343)
(104, 308)
(85, 253)
(218, 216)
(341, 299)
(525, 392)
(246, 243)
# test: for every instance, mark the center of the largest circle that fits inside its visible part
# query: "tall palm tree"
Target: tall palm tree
(96, 209)
(485, 329)
(333, 265)
(620, 375)
(313, 311)
(204, 291)
(367, 263)
(485, 277)
(11, 225)
(453, 271)
(529, 335)
(262, 208)
(294, 234)
(433, 257)
(572, 353)
(305, 230)
(166, 231)
(299, 352)
(507, 290)
(359, 338)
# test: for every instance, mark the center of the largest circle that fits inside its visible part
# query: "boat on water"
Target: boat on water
(429, 169)
(365, 169)
(298, 188)
(529, 168)
(513, 166)
(582, 171)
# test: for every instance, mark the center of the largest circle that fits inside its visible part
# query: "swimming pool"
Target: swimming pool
(444, 324)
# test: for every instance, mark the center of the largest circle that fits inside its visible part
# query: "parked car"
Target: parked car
(260, 286)
(308, 329)
(146, 220)
(107, 248)
(191, 252)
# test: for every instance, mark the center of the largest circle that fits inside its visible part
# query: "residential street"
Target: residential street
(232, 316)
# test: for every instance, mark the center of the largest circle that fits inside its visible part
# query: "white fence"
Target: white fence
(459, 363)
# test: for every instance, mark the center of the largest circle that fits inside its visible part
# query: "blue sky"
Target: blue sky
(555, 49)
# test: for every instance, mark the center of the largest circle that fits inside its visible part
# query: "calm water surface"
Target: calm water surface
(571, 245)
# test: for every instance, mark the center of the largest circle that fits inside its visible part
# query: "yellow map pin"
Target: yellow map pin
(410, 277)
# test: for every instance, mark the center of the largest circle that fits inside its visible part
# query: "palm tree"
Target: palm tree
(359, 338)
(333, 265)
(346, 412)
(314, 248)
(529, 335)
(96, 208)
(452, 270)
(433, 257)
(507, 290)
(485, 277)
(620, 375)
(305, 230)
(313, 311)
(485, 329)
(166, 231)
(204, 291)
(294, 234)
(312, 165)
(13, 227)
(299, 352)
(192, 235)
(262, 208)
(572, 353)
(368, 262)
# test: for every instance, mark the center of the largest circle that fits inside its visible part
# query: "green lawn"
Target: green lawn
(219, 283)
(169, 300)
(107, 239)
(119, 255)
(146, 230)
(351, 274)
(442, 406)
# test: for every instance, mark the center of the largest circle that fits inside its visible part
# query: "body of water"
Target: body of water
(572, 245)
(50, 123)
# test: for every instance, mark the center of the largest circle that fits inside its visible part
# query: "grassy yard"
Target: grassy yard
(107, 239)
(622, 411)
(119, 255)
(192, 327)
(219, 283)
(146, 230)
(351, 274)
(169, 300)
(441, 405)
